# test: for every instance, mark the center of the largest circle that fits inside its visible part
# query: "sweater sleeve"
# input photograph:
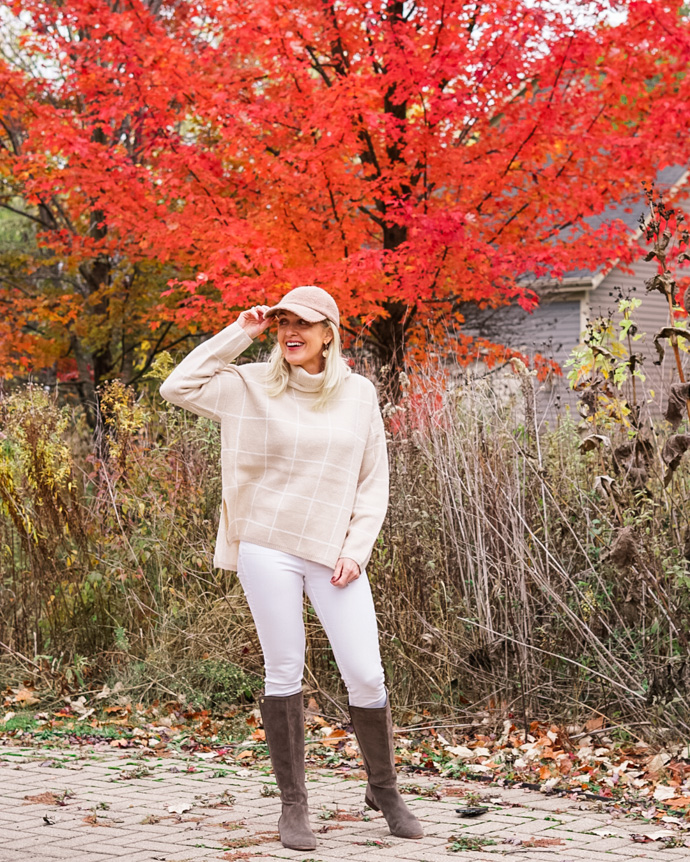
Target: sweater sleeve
(371, 497)
(200, 382)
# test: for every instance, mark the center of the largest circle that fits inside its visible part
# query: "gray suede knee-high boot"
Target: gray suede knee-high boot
(374, 732)
(283, 719)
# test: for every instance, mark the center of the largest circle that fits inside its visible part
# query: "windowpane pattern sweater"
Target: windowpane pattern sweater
(310, 483)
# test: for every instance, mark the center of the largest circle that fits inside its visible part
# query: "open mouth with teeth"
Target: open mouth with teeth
(294, 345)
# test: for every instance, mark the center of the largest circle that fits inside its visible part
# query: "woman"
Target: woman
(305, 491)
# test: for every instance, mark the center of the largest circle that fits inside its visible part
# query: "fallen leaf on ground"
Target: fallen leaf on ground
(679, 802)
(657, 762)
(95, 820)
(339, 814)
(662, 792)
(542, 842)
(639, 838)
(180, 807)
(460, 751)
(251, 840)
(24, 697)
(334, 737)
(373, 842)
(46, 798)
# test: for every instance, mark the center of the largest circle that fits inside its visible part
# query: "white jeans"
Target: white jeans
(274, 583)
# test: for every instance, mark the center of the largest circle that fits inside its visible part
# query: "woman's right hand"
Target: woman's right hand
(253, 321)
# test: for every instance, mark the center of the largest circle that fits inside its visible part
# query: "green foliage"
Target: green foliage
(603, 363)
(22, 721)
(106, 545)
(459, 843)
(215, 682)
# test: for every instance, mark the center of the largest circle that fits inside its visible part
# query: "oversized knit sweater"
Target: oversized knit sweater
(313, 483)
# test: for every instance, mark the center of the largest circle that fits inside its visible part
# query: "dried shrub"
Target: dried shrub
(503, 582)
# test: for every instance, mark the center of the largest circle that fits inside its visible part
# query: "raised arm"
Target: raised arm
(200, 382)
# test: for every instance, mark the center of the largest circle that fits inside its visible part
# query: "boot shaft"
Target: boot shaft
(374, 732)
(283, 720)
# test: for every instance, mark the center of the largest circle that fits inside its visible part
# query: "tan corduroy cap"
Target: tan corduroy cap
(310, 303)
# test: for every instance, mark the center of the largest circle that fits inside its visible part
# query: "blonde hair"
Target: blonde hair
(333, 375)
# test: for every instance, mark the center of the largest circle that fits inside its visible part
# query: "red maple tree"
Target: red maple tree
(181, 160)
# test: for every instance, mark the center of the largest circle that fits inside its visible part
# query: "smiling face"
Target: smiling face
(302, 342)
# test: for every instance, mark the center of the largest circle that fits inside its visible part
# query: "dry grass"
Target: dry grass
(506, 583)
(496, 589)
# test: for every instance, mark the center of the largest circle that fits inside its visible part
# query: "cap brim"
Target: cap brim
(302, 311)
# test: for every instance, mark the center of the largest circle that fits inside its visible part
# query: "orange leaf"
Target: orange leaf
(26, 697)
(338, 733)
(678, 802)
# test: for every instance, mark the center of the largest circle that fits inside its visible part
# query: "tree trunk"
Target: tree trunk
(388, 334)
(96, 276)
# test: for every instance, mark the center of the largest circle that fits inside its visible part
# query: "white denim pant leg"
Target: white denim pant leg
(348, 617)
(273, 583)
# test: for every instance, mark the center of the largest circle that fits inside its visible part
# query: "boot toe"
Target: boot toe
(401, 821)
(295, 831)
(411, 828)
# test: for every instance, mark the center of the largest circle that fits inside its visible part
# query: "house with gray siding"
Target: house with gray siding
(555, 327)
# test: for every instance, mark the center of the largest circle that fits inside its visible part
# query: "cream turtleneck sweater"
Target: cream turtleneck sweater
(307, 482)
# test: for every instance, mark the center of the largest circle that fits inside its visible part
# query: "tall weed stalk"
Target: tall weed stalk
(504, 579)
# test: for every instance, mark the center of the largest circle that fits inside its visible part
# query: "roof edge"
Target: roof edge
(593, 281)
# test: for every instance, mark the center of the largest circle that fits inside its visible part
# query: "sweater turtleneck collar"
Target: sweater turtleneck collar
(303, 380)
(306, 382)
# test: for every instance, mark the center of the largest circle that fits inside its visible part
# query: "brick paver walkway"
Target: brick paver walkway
(108, 805)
